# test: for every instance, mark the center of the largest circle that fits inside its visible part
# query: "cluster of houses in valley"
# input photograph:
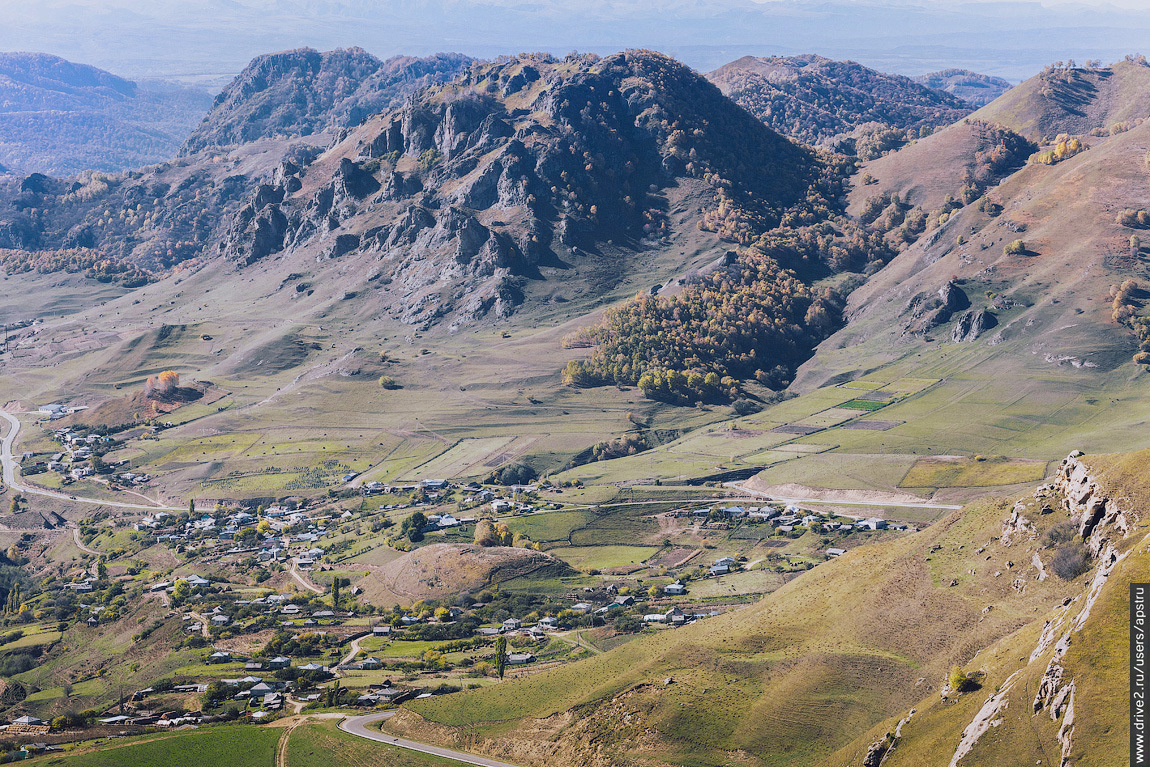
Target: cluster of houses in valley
(288, 533)
(507, 500)
(433, 488)
(55, 411)
(789, 519)
(74, 461)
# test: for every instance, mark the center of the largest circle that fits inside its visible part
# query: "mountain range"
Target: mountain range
(61, 118)
(653, 295)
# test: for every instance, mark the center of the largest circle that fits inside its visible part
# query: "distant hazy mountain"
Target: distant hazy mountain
(303, 91)
(812, 98)
(973, 88)
(59, 118)
(218, 37)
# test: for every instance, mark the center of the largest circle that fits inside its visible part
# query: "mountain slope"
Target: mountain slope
(1055, 692)
(814, 99)
(1051, 302)
(845, 649)
(972, 87)
(1074, 100)
(970, 153)
(60, 118)
(298, 92)
(538, 186)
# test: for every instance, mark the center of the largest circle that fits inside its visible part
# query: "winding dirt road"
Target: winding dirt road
(295, 573)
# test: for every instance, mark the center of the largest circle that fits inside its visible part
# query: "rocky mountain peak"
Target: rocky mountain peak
(303, 91)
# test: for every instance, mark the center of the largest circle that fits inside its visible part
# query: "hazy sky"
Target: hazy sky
(210, 40)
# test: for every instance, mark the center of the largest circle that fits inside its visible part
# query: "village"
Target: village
(272, 606)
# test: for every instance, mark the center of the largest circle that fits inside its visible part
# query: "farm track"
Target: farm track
(307, 584)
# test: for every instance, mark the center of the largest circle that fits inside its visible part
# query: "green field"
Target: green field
(229, 746)
(551, 525)
(863, 404)
(972, 472)
(602, 557)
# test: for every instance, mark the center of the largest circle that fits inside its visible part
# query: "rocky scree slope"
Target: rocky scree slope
(137, 225)
(460, 203)
(300, 92)
(464, 193)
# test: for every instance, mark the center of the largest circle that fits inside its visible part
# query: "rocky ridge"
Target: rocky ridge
(301, 92)
(464, 193)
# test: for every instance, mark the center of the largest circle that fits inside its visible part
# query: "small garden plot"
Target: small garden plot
(864, 404)
(794, 428)
(865, 385)
(550, 526)
(830, 417)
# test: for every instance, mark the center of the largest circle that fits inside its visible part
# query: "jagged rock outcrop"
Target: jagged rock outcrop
(463, 195)
(300, 92)
(972, 324)
(1102, 520)
(929, 311)
(1017, 528)
(1101, 523)
(877, 751)
(259, 227)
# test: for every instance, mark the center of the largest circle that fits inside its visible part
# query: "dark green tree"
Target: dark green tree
(501, 655)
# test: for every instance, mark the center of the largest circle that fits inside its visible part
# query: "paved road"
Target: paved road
(9, 463)
(358, 725)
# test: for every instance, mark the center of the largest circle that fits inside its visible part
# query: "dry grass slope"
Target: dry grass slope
(786, 682)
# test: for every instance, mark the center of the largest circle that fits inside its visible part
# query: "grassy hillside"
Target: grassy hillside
(925, 172)
(828, 655)
(1074, 100)
(440, 571)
